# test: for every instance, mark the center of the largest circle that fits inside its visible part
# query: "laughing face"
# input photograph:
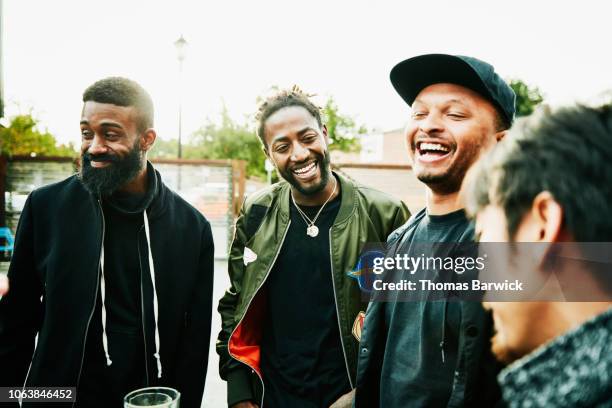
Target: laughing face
(449, 128)
(297, 145)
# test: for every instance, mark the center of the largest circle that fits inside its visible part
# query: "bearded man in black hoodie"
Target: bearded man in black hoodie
(111, 270)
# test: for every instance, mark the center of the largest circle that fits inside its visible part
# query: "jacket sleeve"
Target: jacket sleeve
(21, 309)
(196, 340)
(235, 373)
(402, 214)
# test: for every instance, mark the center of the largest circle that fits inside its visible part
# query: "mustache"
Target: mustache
(104, 157)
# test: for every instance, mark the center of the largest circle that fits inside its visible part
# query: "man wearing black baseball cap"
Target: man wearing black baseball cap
(425, 353)
(411, 76)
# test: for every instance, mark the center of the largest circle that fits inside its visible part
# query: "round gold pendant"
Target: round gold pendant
(312, 231)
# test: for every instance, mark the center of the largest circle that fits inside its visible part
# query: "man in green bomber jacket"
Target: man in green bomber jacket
(292, 316)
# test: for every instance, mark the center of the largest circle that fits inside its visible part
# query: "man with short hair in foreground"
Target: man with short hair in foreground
(551, 187)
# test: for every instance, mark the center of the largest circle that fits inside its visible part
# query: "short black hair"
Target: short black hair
(123, 92)
(284, 99)
(567, 153)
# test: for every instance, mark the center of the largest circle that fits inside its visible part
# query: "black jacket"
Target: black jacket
(54, 276)
(474, 375)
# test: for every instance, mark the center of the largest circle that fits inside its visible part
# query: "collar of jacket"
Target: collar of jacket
(572, 370)
(347, 204)
(155, 197)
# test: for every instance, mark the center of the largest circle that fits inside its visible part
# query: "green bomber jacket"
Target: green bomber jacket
(365, 216)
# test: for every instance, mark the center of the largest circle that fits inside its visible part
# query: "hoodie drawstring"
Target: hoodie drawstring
(103, 294)
(155, 304)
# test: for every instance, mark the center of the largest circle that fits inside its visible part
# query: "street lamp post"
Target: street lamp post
(181, 45)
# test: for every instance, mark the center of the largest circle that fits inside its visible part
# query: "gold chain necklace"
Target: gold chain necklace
(311, 229)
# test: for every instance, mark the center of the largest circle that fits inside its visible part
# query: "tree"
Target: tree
(225, 140)
(228, 140)
(527, 98)
(23, 137)
(342, 130)
(165, 149)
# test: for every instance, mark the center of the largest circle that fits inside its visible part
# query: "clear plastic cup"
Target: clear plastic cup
(157, 397)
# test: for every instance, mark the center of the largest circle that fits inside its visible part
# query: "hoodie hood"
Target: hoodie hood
(153, 199)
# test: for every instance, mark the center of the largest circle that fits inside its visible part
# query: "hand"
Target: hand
(245, 404)
(4, 285)
(345, 401)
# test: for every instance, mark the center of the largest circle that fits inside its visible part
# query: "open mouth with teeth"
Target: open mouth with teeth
(432, 151)
(305, 171)
(100, 163)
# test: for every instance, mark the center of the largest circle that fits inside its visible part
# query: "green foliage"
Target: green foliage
(341, 129)
(527, 98)
(226, 140)
(22, 137)
(229, 139)
(165, 149)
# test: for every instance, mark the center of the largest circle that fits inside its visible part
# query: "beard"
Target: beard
(446, 183)
(449, 180)
(323, 164)
(107, 180)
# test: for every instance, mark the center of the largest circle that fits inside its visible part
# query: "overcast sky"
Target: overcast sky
(52, 50)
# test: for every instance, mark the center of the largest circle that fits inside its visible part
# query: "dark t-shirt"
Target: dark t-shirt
(301, 352)
(102, 385)
(414, 368)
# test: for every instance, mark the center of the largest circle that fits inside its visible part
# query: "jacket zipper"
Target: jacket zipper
(247, 309)
(142, 312)
(95, 299)
(331, 261)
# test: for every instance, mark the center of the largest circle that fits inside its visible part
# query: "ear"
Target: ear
(500, 135)
(325, 134)
(147, 139)
(267, 153)
(269, 157)
(548, 217)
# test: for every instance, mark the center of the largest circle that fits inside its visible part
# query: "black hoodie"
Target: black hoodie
(55, 285)
(103, 385)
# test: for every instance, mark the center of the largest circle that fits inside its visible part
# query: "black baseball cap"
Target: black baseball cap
(411, 76)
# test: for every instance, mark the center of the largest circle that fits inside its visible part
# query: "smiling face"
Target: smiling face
(297, 145)
(111, 150)
(450, 126)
